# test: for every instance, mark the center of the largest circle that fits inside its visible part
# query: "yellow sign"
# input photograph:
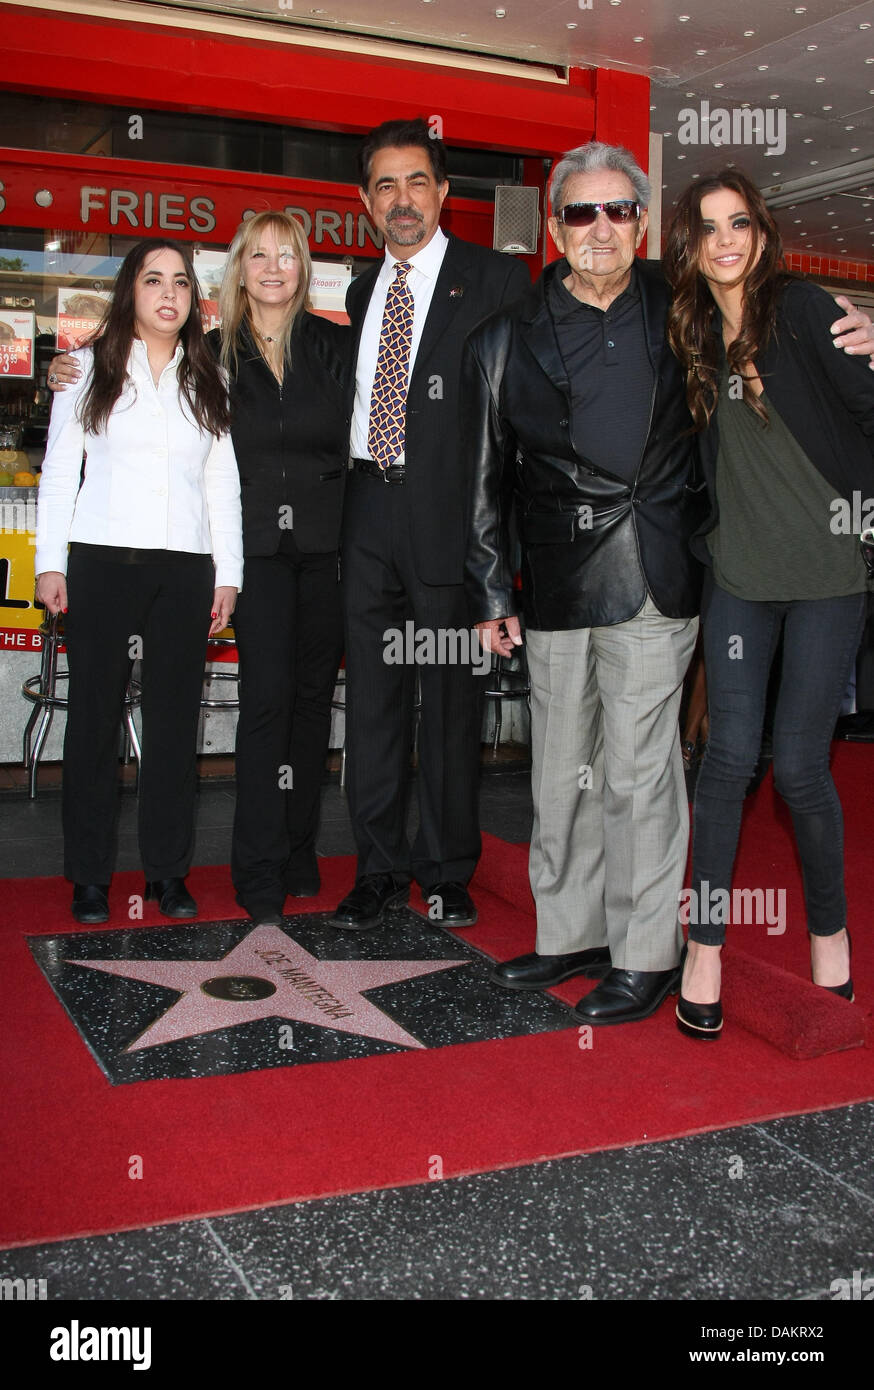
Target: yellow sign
(19, 618)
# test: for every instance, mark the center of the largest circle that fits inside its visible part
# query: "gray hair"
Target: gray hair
(588, 159)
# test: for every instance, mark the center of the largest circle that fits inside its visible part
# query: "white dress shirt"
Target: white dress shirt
(153, 480)
(421, 280)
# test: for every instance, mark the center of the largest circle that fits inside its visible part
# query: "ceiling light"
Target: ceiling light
(719, 84)
(796, 115)
(702, 51)
(826, 108)
(748, 33)
(571, 26)
(839, 179)
(819, 79)
(684, 19)
(638, 39)
(812, 47)
(763, 67)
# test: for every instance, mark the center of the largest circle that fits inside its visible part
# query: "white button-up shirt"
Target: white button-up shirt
(153, 480)
(421, 280)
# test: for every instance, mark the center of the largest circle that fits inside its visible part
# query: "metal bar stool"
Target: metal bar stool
(225, 702)
(508, 680)
(41, 692)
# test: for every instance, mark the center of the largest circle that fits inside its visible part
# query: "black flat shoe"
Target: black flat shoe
(454, 906)
(90, 904)
(371, 899)
(626, 996)
(173, 898)
(540, 972)
(702, 1021)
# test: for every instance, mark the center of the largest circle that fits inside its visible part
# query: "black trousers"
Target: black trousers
(289, 630)
(381, 590)
(157, 608)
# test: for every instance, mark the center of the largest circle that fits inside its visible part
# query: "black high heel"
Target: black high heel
(700, 1021)
(844, 991)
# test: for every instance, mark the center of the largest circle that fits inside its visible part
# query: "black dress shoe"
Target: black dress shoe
(454, 906)
(90, 903)
(856, 728)
(173, 898)
(539, 972)
(702, 1021)
(303, 887)
(372, 897)
(626, 996)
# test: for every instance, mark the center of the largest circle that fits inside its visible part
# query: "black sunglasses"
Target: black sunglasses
(583, 214)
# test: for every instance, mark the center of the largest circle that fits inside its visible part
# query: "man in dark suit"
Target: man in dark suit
(403, 540)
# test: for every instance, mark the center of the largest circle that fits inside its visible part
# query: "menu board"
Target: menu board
(17, 329)
(79, 313)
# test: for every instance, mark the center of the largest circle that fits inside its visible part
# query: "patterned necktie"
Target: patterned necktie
(388, 402)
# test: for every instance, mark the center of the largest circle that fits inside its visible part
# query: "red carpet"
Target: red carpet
(229, 1143)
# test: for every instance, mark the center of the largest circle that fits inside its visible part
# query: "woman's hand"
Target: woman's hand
(223, 603)
(855, 333)
(63, 371)
(51, 589)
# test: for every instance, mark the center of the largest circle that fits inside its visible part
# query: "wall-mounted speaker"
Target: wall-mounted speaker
(517, 220)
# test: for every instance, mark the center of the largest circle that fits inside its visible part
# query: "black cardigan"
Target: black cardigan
(824, 396)
(291, 442)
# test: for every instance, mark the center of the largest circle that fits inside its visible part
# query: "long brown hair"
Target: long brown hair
(691, 331)
(200, 382)
(233, 300)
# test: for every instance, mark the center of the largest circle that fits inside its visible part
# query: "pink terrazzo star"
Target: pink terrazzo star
(294, 985)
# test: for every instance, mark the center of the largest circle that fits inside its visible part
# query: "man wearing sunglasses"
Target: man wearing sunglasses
(574, 403)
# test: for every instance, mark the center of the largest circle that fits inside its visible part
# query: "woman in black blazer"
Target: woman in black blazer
(787, 439)
(290, 427)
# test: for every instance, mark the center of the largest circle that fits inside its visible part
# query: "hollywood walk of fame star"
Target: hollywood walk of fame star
(269, 975)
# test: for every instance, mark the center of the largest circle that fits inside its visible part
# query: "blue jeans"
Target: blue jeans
(820, 641)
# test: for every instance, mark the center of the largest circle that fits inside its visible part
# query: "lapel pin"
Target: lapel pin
(456, 292)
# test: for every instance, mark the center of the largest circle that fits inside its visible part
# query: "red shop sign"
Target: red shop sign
(101, 197)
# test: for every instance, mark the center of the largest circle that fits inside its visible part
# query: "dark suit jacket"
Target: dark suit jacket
(292, 442)
(591, 543)
(473, 282)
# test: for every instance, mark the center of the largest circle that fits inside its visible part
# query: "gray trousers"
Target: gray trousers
(611, 819)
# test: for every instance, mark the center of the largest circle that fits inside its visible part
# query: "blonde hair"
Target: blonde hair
(233, 300)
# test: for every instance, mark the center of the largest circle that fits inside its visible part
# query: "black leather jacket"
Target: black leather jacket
(591, 544)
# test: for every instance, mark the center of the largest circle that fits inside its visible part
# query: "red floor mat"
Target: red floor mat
(230, 1143)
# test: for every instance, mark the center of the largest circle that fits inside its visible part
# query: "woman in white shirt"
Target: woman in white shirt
(155, 564)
